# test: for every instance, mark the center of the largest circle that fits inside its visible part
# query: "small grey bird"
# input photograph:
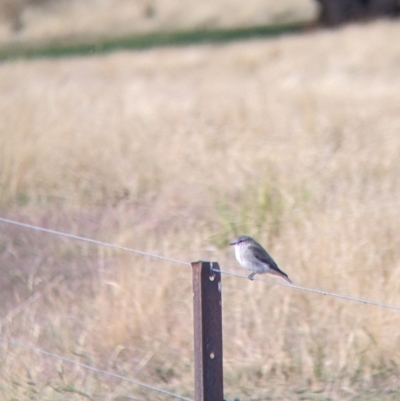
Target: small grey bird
(252, 256)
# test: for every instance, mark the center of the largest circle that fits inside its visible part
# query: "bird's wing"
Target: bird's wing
(262, 255)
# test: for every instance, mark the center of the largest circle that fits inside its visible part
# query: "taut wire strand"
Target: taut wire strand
(92, 241)
(320, 292)
(123, 248)
(88, 367)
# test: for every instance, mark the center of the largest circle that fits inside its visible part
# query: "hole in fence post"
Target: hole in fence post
(207, 315)
(212, 275)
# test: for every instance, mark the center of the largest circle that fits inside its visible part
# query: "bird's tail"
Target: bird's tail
(280, 273)
(287, 279)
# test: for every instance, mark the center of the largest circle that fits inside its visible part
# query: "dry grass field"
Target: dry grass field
(174, 151)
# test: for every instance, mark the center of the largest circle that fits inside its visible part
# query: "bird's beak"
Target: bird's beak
(233, 243)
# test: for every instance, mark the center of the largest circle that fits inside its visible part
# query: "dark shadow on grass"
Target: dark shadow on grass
(145, 41)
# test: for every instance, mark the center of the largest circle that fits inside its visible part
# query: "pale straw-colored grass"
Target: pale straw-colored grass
(295, 141)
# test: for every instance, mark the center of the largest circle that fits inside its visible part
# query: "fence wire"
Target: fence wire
(315, 291)
(123, 248)
(88, 367)
(92, 241)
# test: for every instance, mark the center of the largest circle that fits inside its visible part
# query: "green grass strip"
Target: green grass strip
(144, 41)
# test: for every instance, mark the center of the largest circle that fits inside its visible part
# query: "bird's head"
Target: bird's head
(241, 239)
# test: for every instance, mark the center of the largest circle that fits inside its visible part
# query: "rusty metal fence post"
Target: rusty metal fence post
(207, 314)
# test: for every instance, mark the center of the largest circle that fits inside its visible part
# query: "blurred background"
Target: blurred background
(31, 21)
(172, 127)
(45, 19)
